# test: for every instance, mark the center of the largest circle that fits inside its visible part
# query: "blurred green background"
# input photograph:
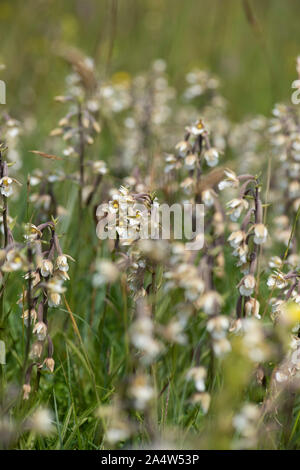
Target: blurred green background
(252, 45)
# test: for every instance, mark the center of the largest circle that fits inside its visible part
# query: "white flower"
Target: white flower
(252, 308)
(41, 330)
(236, 238)
(141, 392)
(55, 288)
(204, 399)
(182, 147)
(49, 363)
(193, 288)
(159, 65)
(106, 272)
(280, 377)
(208, 197)
(247, 285)
(141, 337)
(42, 422)
(62, 263)
(197, 128)
(244, 422)
(33, 316)
(190, 161)
(217, 326)
(211, 156)
(69, 151)
(260, 234)
(193, 91)
(54, 299)
(236, 326)
(277, 280)
(254, 340)
(32, 232)
(14, 261)
(294, 189)
(6, 186)
(174, 332)
(170, 162)
(231, 180)
(26, 391)
(210, 302)
(100, 167)
(198, 374)
(294, 261)
(296, 143)
(277, 305)
(241, 251)
(236, 207)
(275, 262)
(46, 268)
(221, 347)
(116, 434)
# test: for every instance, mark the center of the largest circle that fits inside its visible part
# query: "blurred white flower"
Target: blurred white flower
(41, 422)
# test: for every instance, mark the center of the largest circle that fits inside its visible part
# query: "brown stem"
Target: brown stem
(81, 153)
(5, 226)
(29, 302)
(93, 191)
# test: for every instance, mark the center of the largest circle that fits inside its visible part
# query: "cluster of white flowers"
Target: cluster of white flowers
(42, 194)
(203, 87)
(45, 273)
(285, 142)
(127, 216)
(80, 125)
(194, 157)
(144, 103)
(142, 333)
(144, 117)
(39, 422)
(246, 423)
(218, 327)
(246, 237)
(117, 425)
(198, 376)
(189, 155)
(199, 83)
